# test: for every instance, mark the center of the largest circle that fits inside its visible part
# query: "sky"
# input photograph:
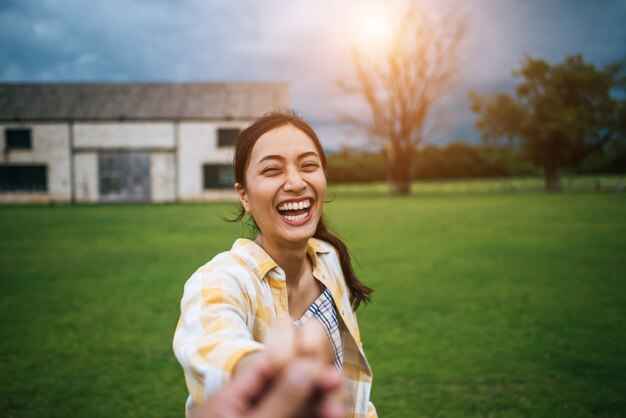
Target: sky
(305, 43)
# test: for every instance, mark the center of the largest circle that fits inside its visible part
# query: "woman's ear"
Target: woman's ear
(243, 196)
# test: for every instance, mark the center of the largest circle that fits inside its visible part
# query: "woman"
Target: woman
(294, 269)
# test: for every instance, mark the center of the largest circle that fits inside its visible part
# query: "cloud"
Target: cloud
(304, 43)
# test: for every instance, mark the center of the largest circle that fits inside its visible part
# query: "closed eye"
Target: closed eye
(310, 166)
(270, 171)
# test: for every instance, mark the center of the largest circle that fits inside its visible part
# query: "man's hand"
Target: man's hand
(293, 377)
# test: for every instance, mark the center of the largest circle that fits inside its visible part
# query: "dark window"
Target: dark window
(17, 178)
(17, 139)
(218, 176)
(226, 137)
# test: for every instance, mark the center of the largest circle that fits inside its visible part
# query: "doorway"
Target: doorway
(124, 176)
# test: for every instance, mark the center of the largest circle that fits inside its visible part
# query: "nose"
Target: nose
(294, 182)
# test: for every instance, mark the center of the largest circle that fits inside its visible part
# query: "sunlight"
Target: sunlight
(377, 27)
(374, 32)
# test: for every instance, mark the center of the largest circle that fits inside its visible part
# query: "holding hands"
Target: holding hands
(294, 377)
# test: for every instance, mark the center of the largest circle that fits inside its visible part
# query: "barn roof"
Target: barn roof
(139, 101)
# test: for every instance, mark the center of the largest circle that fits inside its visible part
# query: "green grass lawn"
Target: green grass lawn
(490, 305)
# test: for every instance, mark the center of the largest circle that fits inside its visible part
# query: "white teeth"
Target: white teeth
(295, 217)
(295, 206)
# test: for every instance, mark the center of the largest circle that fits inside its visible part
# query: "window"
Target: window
(18, 178)
(226, 137)
(218, 176)
(17, 138)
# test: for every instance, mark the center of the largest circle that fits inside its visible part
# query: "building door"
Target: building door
(124, 176)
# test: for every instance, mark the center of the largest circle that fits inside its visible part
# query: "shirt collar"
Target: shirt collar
(314, 248)
(260, 262)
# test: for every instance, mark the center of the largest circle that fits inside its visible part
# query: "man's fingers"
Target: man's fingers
(296, 363)
(334, 395)
(292, 389)
(331, 379)
(331, 408)
(333, 405)
(249, 382)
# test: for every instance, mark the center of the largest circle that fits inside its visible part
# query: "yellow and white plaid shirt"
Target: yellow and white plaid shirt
(230, 304)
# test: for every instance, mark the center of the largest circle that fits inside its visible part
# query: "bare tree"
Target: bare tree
(402, 86)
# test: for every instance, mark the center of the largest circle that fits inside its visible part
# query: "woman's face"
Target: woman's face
(285, 185)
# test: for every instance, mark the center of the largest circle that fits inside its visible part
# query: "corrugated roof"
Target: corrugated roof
(134, 101)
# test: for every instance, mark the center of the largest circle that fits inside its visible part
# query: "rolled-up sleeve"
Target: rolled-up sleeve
(213, 332)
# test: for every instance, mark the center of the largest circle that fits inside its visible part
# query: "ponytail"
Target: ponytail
(359, 292)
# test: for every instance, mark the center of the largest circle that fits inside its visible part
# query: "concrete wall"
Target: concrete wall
(86, 177)
(162, 177)
(197, 145)
(177, 154)
(50, 146)
(131, 135)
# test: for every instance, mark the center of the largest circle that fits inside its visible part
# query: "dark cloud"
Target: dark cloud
(303, 43)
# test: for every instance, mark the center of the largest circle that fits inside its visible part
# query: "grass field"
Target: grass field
(490, 305)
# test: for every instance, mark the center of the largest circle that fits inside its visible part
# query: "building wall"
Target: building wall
(86, 177)
(178, 152)
(156, 138)
(50, 146)
(197, 145)
(163, 176)
(130, 135)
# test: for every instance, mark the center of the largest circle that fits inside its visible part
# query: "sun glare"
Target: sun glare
(376, 27)
(374, 32)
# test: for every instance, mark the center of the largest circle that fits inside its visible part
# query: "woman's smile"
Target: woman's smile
(296, 212)
(285, 185)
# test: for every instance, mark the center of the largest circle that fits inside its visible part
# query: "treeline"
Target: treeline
(458, 160)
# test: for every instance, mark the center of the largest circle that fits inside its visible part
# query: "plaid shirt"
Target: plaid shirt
(323, 310)
(230, 304)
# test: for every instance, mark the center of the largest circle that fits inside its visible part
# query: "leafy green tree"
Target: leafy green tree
(612, 160)
(351, 166)
(560, 114)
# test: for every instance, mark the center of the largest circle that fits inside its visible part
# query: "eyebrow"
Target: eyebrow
(280, 157)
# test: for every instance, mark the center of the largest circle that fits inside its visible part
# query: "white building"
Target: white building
(125, 142)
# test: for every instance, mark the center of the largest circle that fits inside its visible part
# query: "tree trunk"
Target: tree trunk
(552, 176)
(399, 172)
(400, 187)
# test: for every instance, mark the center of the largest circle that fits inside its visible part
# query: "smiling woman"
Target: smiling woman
(283, 191)
(295, 270)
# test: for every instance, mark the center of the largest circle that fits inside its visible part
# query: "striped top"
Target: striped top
(323, 310)
(230, 305)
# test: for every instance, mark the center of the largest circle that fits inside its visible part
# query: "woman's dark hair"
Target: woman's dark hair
(244, 143)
